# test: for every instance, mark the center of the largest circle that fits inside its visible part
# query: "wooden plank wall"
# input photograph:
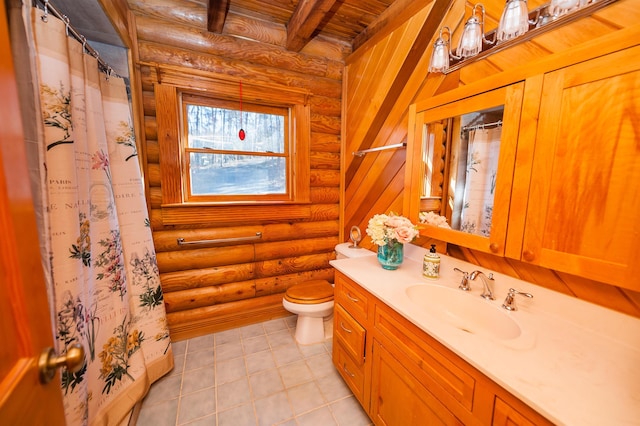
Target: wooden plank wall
(374, 183)
(213, 288)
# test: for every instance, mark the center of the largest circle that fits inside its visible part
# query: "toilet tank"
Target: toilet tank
(346, 250)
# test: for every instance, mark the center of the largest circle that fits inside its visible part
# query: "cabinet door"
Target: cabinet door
(505, 415)
(480, 134)
(398, 398)
(584, 198)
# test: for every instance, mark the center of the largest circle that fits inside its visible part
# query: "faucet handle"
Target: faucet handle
(464, 284)
(510, 303)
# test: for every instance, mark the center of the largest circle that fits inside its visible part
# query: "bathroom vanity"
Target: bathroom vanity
(416, 351)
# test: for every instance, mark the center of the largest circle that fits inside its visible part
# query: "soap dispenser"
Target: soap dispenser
(431, 264)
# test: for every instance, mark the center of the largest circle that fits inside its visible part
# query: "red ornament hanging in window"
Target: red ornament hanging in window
(241, 133)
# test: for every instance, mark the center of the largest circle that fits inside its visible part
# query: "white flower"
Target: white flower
(384, 229)
(430, 218)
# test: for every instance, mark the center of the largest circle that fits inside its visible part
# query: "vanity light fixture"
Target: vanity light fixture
(514, 21)
(560, 7)
(516, 25)
(470, 43)
(473, 33)
(440, 55)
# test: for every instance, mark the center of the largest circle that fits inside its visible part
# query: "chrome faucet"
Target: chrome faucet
(464, 284)
(487, 293)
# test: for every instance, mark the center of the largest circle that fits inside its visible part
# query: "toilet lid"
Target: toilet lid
(308, 292)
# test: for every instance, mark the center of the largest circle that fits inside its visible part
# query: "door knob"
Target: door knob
(48, 362)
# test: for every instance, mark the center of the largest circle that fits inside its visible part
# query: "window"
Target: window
(222, 165)
(207, 173)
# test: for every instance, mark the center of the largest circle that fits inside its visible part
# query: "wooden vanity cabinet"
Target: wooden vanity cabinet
(402, 376)
(584, 193)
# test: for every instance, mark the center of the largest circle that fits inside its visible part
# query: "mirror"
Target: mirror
(470, 168)
(460, 163)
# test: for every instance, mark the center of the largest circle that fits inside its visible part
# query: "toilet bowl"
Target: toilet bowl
(312, 301)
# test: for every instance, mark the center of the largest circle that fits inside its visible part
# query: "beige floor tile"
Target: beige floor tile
(253, 375)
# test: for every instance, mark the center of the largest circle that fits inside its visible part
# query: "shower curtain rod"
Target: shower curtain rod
(106, 68)
(481, 126)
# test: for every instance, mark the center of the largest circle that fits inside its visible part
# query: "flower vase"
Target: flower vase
(391, 255)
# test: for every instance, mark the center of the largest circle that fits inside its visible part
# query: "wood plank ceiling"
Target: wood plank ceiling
(345, 20)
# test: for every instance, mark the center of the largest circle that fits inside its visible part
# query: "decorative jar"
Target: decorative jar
(391, 255)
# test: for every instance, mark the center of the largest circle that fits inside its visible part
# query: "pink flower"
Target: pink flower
(100, 161)
(395, 221)
(405, 233)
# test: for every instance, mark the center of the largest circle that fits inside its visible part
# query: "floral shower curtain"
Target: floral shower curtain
(104, 281)
(480, 183)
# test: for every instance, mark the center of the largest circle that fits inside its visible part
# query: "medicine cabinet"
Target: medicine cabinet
(566, 190)
(462, 156)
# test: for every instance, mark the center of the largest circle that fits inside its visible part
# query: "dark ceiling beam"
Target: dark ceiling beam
(216, 15)
(304, 21)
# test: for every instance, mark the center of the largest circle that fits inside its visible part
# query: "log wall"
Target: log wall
(220, 286)
(376, 111)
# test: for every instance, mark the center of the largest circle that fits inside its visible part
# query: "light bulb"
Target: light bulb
(560, 7)
(440, 55)
(471, 40)
(514, 21)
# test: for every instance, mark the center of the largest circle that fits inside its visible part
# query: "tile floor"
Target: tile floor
(253, 375)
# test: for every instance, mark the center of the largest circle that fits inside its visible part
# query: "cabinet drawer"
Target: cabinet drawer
(350, 371)
(349, 333)
(448, 382)
(352, 297)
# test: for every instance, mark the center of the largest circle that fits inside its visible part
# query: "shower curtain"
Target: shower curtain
(480, 183)
(98, 254)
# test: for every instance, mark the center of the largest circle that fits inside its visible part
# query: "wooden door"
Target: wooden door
(398, 398)
(584, 196)
(25, 326)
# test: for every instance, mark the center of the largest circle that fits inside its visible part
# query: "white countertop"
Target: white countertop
(575, 362)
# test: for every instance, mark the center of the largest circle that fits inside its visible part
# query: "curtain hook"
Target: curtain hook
(83, 39)
(65, 18)
(45, 17)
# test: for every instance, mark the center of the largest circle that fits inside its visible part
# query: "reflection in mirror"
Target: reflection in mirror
(471, 145)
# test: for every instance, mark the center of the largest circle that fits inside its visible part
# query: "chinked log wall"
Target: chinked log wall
(209, 288)
(374, 183)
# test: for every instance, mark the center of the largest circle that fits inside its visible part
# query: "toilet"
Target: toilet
(312, 301)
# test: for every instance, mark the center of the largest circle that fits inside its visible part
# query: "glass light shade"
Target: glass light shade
(440, 56)
(514, 20)
(560, 7)
(471, 40)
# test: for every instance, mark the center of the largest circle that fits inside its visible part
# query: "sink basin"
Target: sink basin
(467, 312)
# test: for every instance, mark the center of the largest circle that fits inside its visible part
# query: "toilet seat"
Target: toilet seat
(310, 292)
